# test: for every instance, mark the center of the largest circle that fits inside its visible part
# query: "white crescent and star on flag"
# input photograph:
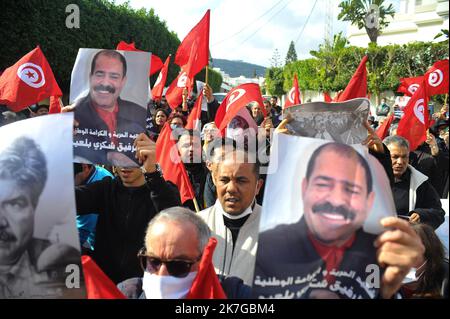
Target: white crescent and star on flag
(413, 88)
(236, 95)
(182, 80)
(419, 109)
(435, 78)
(292, 95)
(31, 74)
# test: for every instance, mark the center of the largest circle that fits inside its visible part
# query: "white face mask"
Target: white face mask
(411, 276)
(166, 287)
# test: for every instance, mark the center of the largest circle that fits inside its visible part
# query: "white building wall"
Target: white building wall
(415, 21)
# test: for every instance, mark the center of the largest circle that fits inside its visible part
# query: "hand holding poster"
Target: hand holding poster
(39, 245)
(339, 122)
(317, 240)
(110, 90)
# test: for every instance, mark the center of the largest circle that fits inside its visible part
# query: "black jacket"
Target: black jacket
(428, 204)
(124, 213)
(288, 266)
(130, 121)
(435, 167)
(197, 176)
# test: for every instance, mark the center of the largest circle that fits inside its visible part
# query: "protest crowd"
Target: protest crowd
(170, 199)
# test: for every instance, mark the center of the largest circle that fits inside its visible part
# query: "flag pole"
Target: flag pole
(196, 204)
(206, 74)
(61, 105)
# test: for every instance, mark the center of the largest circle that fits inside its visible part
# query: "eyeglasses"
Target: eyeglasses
(175, 267)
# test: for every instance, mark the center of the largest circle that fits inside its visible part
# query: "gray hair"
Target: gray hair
(24, 162)
(392, 128)
(183, 215)
(396, 140)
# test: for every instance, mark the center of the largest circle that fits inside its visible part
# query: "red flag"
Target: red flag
(414, 123)
(293, 97)
(436, 78)
(98, 285)
(206, 285)
(174, 92)
(409, 86)
(235, 100)
(155, 62)
(357, 87)
(193, 53)
(193, 120)
(173, 169)
(55, 105)
(383, 130)
(158, 87)
(28, 81)
(327, 97)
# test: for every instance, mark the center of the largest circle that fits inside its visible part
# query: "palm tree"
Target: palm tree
(369, 14)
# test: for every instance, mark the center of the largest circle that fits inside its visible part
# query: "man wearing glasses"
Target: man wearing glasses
(174, 242)
(124, 206)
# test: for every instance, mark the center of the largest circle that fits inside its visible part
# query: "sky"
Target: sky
(251, 30)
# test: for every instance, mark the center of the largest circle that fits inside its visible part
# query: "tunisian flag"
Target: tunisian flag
(436, 78)
(235, 100)
(409, 86)
(174, 92)
(414, 123)
(383, 130)
(28, 81)
(55, 105)
(98, 285)
(327, 97)
(357, 87)
(173, 169)
(155, 61)
(158, 87)
(206, 285)
(293, 97)
(193, 53)
(193, 121)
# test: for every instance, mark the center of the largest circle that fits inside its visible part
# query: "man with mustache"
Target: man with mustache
(29, 267)
(111, 119)
(124, 206)
(327, 248)
(234, 218)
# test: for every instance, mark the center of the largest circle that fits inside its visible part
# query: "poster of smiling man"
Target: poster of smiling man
(339, 122)
(39, 245)
(110, 90)
(321, 215)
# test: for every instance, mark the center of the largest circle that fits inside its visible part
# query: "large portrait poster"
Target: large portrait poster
(110, 90)
(321, 215)
(39, 245)
(340, 122)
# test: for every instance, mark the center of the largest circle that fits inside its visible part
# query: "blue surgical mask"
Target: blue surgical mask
(411, 276)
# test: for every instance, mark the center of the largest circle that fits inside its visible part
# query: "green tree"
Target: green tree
(102, 25)
(291, 55)
(274, 81)
(275, 61)
(369, 14)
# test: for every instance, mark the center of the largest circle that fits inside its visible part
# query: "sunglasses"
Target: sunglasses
(175, 267)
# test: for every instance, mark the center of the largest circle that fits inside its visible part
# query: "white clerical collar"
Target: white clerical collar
(246, 212)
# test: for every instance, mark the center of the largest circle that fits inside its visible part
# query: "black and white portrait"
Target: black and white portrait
(39, 247)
